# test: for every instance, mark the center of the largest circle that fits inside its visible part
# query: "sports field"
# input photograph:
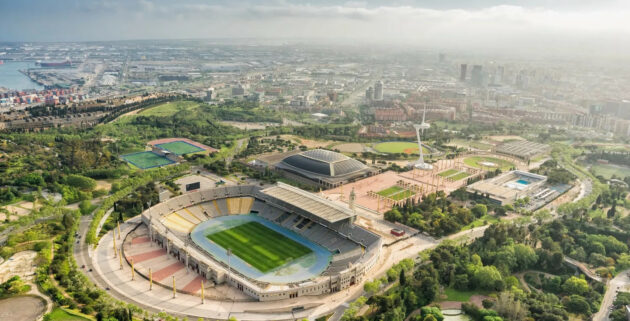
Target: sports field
(259, 246)
(608, 170)
(476, 162)
(399, 148)
(454, 174)
(145, 160)
(396, 193)
(180, 147)
(448, 172)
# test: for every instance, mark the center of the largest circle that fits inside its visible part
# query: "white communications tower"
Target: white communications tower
(420, 164)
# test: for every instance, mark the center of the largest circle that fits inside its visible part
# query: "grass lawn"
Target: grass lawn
(59, 314)
(146, 160)
(402, 195)
(608, 170)
(180, 148)
(396, 193)
(259, 246)
(480, 222)
(390, 191)
(474, 161)
(448, 172)
(169, 109)
(399, 148)
(460, 296)
(459, 176)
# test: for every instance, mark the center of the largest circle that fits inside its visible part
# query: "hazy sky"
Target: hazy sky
(525, 25)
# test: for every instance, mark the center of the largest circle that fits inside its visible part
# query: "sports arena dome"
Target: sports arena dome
(325, 167)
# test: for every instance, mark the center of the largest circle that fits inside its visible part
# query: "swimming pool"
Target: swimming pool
(522, 181)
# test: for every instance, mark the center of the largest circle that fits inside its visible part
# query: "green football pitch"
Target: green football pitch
(259, 246)
(145, 160)
(180, 148)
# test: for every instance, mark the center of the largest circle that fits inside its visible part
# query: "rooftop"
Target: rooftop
(309, 202)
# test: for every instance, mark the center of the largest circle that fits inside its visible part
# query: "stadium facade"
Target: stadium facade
(324, 168)
(350, 251)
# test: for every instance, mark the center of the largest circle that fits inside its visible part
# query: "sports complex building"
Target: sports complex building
(325, 168)
(508, 187)
(275, 243)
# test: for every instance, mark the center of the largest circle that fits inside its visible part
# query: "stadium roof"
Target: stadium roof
(324, 162)
(309, 202)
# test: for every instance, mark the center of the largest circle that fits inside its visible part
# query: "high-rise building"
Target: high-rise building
(209, 94)
(462, 72)
(476, 75)
(378, 90)
(369, 94)
(442, 57)
(238, 90)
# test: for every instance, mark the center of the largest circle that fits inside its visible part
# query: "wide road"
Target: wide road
(619, 283)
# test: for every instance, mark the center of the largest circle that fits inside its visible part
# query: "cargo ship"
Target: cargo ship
(55, 64)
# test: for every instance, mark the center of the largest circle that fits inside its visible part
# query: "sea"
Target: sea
(12, 78)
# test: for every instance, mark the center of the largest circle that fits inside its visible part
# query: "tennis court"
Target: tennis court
(180, 147)
(146, 160)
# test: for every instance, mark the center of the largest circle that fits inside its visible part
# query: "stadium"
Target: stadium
(324, 168)
(275, 243)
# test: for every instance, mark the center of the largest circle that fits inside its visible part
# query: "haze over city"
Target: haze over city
(314, 160)
(534, 27)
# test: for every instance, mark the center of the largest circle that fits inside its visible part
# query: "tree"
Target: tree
(578, 305)
(402, 280)
(68, 220)
(479, 210)
(487, 278)
(431, 311)
(81, 182)
(510, 307)
(574, 285)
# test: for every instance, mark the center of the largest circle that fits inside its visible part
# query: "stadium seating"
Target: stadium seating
(175, 222)
(223, 206)
(246, 205)
(197, 212)
(188, 216)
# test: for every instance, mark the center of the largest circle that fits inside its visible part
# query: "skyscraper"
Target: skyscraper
(462, 72)
(378, 90)
(476, 75)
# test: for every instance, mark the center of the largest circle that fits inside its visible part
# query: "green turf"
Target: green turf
(396, 193)
(146, 160)
(402, 195)
(474, 161)
(180, 148)
(448, 172)
(259, 246)
(608, 170)
(61, 315)
(390, 190)
(460, 296)
(459, 176)
(399, 147)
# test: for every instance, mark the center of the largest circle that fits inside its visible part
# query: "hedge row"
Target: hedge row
(130, 184)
